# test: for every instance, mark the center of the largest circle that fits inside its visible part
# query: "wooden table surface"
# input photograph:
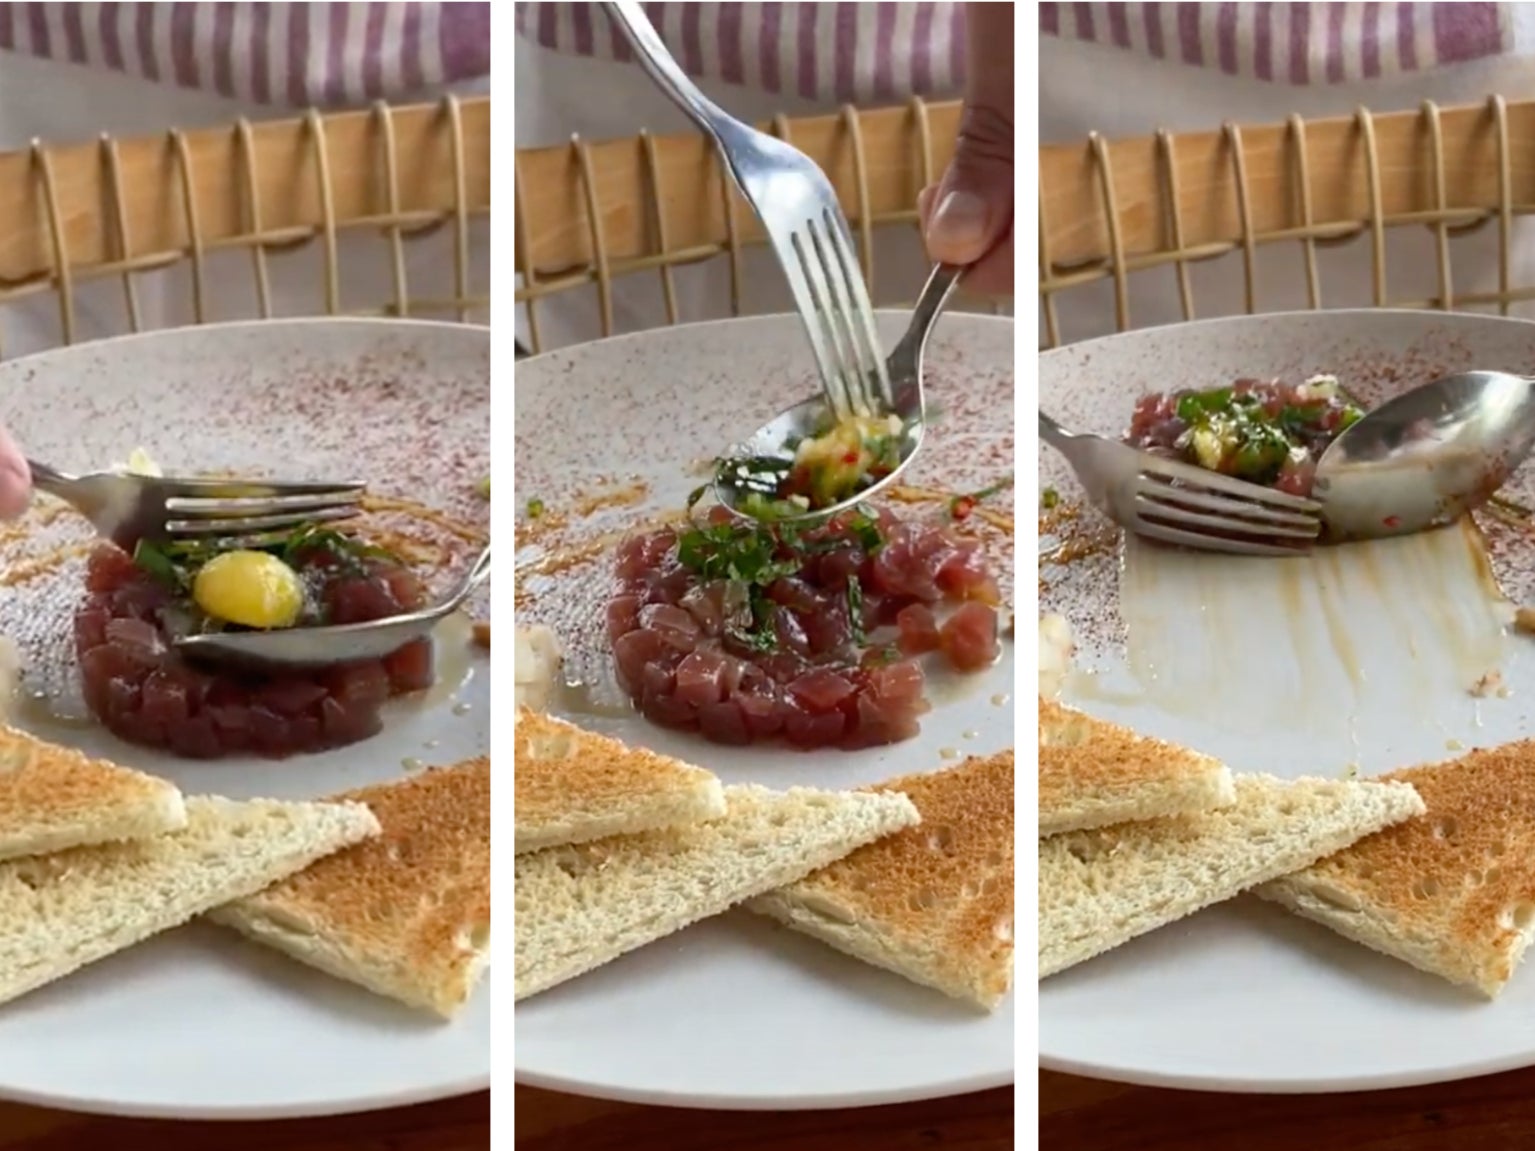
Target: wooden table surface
(454, 1125)
(549, 1122)
(1496, 1113)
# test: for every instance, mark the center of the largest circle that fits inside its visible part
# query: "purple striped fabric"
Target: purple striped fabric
(297, 54)
(1299, 44)
(865, 53)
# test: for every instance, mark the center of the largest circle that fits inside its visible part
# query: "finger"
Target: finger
(972, 209)
(925, 206)
(15, 478)
(992, 274)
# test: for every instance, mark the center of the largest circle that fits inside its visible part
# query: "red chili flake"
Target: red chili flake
(1392, 521)
(961, 508)
(850, 458)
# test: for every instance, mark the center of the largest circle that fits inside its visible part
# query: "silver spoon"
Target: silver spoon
(758, 464)
(308, 647)
(1427, 457)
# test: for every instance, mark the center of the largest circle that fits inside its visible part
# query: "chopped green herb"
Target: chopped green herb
(312, 537)
(762, 634)
(1049, 498)
(1197, 405)
(855, 610)
(864, 527)
(535, 508)
(187, 556)
(734, 551)
(482, 489)
(753, 554)
(158, 564)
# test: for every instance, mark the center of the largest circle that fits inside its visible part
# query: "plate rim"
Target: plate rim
(829, 1101)
(356, 1105)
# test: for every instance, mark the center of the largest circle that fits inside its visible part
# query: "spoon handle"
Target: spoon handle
(935, 294)
(478, 573)
(904, 365)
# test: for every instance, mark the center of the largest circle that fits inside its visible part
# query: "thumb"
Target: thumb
(15, 478)
(971, 210)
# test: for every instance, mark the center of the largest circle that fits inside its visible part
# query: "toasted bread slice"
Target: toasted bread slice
(60, 912)
(933, 903)
(53, 798)
(574, 786)
(406, 914)
(1093, 773)
(1101, 888)
(1452, 894)
(580, 906)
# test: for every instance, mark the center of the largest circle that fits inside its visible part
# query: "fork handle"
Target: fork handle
(1052, 433)
(50, 480)
(664, 70)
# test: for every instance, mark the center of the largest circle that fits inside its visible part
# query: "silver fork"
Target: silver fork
(127, 508)
(1179, 503)
(805, 226)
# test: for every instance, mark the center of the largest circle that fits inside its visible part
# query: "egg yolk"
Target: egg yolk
(249, 588)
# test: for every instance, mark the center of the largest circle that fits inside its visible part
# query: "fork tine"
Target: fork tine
(872, 368)
(249, 525)
(1192, 499)
(797, 272)
(177, 487)
(1213, 543)
(1204, 478)
(840, 317)
(834, 375)
(247, 506)
(1172, 514)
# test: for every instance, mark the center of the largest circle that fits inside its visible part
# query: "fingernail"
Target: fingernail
(961, 217)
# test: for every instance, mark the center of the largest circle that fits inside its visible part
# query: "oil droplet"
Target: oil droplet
(1454, 745)
(972, 734)
(430, 744)
(999, 700)
(411, 763)
(463, 707)
(948, 752)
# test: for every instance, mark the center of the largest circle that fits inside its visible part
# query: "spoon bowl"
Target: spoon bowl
(1427, 457)
(301, 648)
(756, 465)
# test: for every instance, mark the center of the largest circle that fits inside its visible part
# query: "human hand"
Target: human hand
(15, 478)
(967, 217)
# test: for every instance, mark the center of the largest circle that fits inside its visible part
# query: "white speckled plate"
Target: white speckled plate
(199, 1023)
(1360, 656)
(735, 1012)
